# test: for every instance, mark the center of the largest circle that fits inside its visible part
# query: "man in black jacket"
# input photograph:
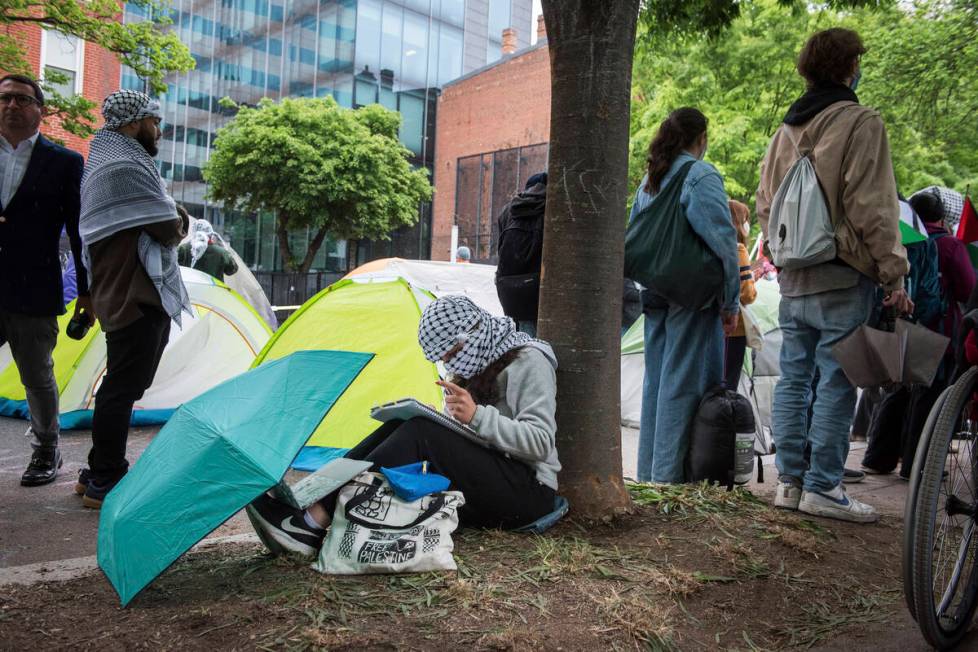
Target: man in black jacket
(39, 196)
(520, 254)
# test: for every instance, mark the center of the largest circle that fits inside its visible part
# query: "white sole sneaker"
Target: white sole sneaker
(844, 509)
(787, 496)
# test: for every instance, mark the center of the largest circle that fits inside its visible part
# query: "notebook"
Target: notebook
(408, 408)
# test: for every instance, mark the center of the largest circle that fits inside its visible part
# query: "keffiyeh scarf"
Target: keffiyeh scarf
(122, 189)
(951, 200)
(451, 320)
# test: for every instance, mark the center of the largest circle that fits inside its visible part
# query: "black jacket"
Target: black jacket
(47, 201)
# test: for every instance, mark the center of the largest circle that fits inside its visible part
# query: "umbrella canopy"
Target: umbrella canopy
(216, 454)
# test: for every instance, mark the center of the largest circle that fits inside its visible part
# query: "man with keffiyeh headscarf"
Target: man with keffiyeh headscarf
(502, 384)
(130, 229)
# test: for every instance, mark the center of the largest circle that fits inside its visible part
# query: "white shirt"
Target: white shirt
(13, 165)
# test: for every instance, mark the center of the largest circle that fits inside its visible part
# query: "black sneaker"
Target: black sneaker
(852, 476)
(84, 477)
(96, 491)
(283, 528)
(43, 467)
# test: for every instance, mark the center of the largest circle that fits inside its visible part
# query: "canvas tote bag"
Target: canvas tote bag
(374, 531)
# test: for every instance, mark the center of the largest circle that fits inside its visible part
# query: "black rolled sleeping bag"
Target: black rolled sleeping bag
(721, 441)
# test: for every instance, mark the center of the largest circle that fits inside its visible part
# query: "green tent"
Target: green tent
(379, 317)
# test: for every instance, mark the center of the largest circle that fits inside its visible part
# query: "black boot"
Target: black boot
(43, 468)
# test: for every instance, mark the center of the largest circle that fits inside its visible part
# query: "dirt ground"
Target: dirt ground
(692, 569)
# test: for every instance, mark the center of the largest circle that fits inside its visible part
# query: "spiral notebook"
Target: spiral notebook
(408, 408)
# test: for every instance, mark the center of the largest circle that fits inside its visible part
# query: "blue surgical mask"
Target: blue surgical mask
(855, 80)
(703, 155)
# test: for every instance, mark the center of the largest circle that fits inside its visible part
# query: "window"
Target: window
(414, 69)
(449, 55)
(368, 36)
(390, 46)
(498, 19)
(64, 55)
(452, 11)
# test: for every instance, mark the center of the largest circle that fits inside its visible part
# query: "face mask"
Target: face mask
(855, 80)
(703, 155)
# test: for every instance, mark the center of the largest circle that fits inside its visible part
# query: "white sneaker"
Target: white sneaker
(837, 504)
(787, 494)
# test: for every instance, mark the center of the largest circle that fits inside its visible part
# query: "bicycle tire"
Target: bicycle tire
(941, 628)
(916, 470)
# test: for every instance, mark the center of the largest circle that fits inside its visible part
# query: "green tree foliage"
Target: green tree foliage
(921, 72)
(146, 46)
(315, 164)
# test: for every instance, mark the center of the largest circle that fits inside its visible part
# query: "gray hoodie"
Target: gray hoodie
(521, 423)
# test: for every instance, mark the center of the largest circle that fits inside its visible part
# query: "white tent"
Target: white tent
(477, 282)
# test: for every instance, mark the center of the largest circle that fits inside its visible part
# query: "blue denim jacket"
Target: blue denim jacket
(705, 202)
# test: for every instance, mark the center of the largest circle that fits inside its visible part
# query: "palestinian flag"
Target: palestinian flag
(911, 226)
(968, 229)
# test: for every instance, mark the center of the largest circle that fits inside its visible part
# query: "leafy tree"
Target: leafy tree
(920, 72)
(145, 46)
(315, 164)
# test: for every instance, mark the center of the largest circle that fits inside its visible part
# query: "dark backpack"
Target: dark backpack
(520, 253)
(721, 440)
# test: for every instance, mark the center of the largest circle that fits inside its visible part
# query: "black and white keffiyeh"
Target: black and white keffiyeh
(951, 200)
(122, 189)
(452, 320)
(125, 107)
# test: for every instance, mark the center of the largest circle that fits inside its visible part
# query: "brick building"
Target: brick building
(492, 133)
(93, 72)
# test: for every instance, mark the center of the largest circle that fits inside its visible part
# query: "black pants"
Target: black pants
(734, 361)
(133, 353)
(896, 428)
(499, 491)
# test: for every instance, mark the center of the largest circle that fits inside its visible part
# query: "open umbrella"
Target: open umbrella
(217, 453)
(910, 355)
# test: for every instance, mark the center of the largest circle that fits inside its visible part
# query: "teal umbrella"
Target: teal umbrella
(215, 455)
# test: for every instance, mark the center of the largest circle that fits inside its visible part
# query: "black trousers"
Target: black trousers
(499, 491)
(134, 354)
(734, 361)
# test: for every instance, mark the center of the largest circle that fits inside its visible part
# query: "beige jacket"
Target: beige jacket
(852, 162)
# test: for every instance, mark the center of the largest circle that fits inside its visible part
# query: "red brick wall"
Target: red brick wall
(503, 107)
(101, 76)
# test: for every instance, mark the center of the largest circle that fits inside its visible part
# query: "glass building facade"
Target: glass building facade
(397, 53)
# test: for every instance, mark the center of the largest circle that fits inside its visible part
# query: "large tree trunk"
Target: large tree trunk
(284, 250)
(314, 245)
(591, 44)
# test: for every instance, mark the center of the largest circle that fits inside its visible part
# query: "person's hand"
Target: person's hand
(458, 402)
(84, 303)
(898, 299)
(730, 320)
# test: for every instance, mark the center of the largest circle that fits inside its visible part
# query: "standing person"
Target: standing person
(737, 341)
(684, 348)
(520, 254)
(39, 184)
(131, 229)
(206, 250)
(823, 303)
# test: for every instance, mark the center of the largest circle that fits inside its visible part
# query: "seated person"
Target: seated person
(503, 385)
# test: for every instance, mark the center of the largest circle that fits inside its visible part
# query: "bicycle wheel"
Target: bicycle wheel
(910, 505)
(945, 569)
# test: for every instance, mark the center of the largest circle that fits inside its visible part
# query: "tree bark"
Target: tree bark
(314, 245)
(591, 46)
(284, 250)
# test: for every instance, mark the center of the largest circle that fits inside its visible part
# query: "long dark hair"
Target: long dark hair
(482, 386)
(677, 132)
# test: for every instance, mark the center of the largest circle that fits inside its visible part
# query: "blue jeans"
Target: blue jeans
(810, 327)
(528, 327)
(683, 359)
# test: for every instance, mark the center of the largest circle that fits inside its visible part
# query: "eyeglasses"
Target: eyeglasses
(19, 99)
